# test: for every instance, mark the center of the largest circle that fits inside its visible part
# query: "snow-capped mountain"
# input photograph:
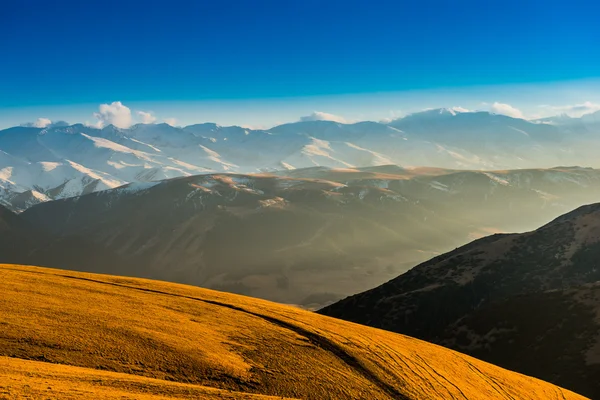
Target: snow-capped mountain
(40, 164)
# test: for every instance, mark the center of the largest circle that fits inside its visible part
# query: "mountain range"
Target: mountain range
(309, 213)
(528, 302)
(61, 161)
(287, 236)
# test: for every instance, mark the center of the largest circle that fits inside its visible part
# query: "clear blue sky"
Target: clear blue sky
(56, 53)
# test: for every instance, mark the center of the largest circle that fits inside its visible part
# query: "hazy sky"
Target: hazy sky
(265, 62)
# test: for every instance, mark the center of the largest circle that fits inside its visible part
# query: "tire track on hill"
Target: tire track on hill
(318, 340)
(429, 367)
(561, 394)
(325, 344)
(399, 361)
(492, 382)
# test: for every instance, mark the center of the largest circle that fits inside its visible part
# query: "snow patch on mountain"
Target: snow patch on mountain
(40, 196)
(497, 179)
(146, 144)
(49, 166)
(287, 166)
(104, 178)
(439, 186)
(61, 160)
(135, 187)
(5, 174)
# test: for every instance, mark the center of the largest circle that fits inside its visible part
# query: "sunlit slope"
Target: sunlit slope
(175, 334)
(41, 380)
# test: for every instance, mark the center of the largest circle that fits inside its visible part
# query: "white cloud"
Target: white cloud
(147, 117)
(170, 121)
(254, 127)
(460, 109)
(39, 123)
(115, 113)
(575, 110)
(42, 122)
(97, 124)
(59, 124)
(392, 116)
(506, 109)
(323, 116)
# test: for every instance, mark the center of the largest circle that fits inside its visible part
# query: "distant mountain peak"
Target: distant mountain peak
(436, 112)
(452, 138)
(453, 110)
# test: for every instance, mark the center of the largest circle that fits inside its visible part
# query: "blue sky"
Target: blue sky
(269, 61)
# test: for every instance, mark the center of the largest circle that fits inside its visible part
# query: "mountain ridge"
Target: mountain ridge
(503, 296)
(284, 237)
(148, 152)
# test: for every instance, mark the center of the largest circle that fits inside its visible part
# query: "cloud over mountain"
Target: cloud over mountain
(38, 123)
(323, 116)
(42, 122)
(146, 117)
(574, 110)
(115, 113)
(170, 121)
(506, 109)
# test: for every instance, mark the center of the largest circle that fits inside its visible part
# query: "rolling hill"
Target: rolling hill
(503, 297)
(288, 238)
(73, 335)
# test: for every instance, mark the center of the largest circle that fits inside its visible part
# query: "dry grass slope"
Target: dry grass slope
(70, 335)
(23, 379)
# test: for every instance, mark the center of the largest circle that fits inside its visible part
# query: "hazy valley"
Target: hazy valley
(287, 236)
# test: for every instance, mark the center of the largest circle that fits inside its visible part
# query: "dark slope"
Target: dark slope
(26, 242)
(16, 236)
(553, 334)
(477, 288)
(276, 238)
